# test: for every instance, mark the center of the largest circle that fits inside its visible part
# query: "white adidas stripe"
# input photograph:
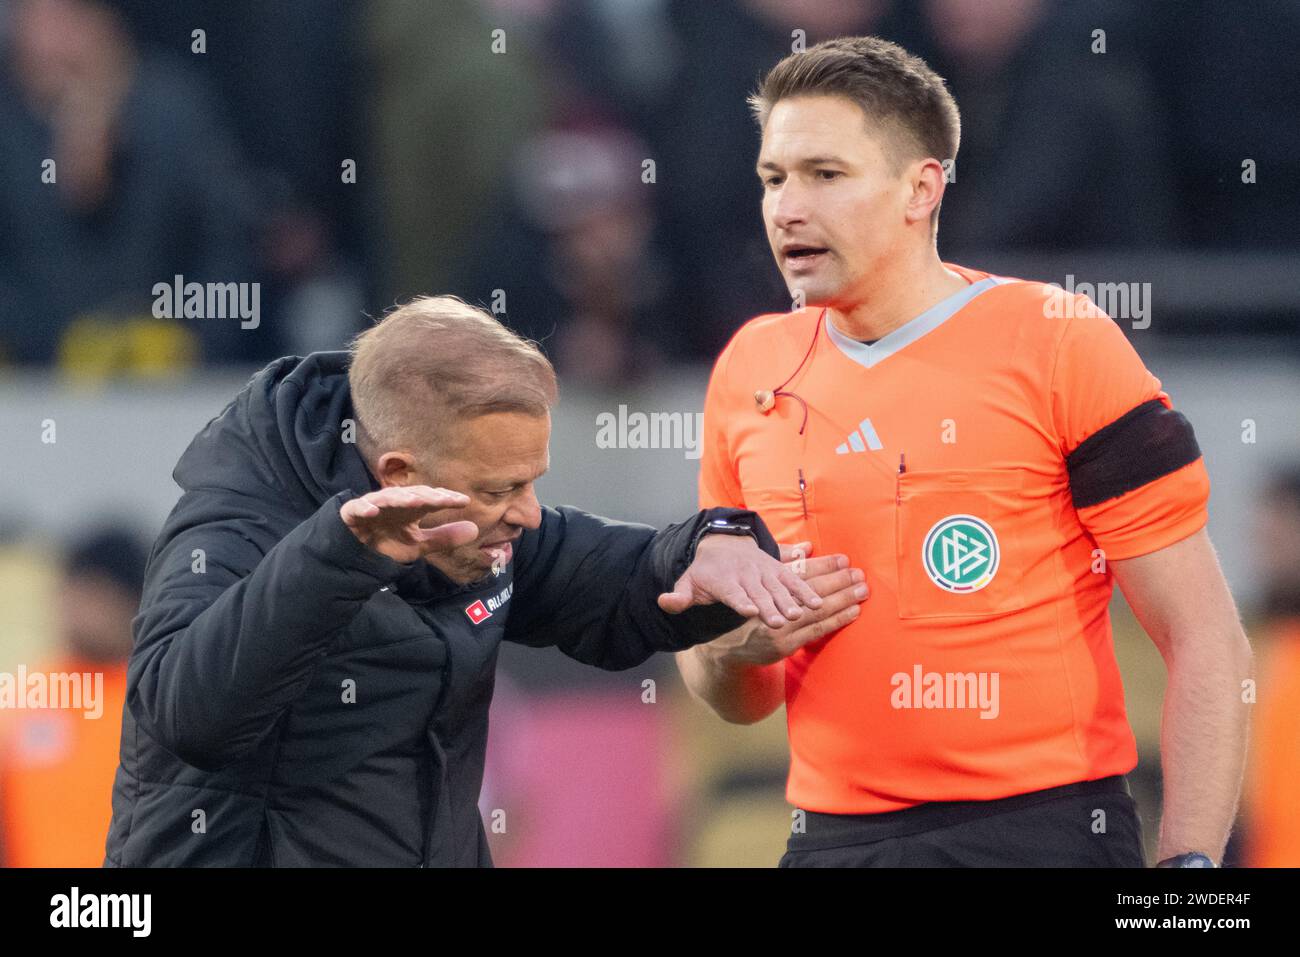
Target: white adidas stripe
(856, 439)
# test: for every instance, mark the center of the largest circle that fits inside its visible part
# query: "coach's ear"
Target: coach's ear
(395, 468)
(926, 181)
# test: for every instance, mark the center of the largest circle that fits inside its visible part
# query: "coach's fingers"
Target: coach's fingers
(444, 536)
(786, 604)
(402, 498)
(675, 602)
(790, 553)
(801, 593)
(420, 498)
(356, 509)
(438, 497)
(761, 597)
(396, 496)
(683, 596)
(375, 504)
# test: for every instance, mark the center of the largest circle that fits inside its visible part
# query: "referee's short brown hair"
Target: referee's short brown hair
(896, 91)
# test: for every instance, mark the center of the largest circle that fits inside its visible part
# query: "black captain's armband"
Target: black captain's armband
(1142, 445)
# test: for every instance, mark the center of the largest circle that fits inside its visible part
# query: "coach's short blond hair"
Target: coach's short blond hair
(437, 359)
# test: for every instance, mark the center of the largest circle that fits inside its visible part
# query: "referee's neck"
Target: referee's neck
(902, 295)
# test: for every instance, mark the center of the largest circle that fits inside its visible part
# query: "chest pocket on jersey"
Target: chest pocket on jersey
(959, 553)
(782, 511)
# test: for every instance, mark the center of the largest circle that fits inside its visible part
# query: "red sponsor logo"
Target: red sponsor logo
(478, 612)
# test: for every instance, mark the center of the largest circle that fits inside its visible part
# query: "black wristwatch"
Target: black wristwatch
(720, 526)
(734, 521)
(1190, 859)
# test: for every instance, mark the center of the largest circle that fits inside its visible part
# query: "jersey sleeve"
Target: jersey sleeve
(1137, 476)
(719, 483)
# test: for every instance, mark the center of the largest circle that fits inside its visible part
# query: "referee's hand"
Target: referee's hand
(842, 589)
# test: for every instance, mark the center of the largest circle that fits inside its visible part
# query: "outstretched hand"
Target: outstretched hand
(735, 572)
(842, 589)
(388, 521)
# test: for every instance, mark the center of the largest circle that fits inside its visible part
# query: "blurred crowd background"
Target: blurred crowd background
(584, 168)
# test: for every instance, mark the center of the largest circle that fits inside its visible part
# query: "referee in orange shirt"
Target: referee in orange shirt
(988, 453)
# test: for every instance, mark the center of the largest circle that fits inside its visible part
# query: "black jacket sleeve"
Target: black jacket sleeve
(590, 586)
(231, 626)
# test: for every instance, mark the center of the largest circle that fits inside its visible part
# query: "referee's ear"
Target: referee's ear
(926, 179)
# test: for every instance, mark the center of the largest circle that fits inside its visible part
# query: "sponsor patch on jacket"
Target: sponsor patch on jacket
(481, 611)
(478, 612)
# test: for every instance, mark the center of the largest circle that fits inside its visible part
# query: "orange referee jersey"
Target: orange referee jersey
(56, 776)
(1273, 771)
(981, 464)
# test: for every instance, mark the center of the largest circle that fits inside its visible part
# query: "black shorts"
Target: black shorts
(1090, 824)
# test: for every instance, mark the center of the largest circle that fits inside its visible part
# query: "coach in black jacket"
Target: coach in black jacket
(315, 648)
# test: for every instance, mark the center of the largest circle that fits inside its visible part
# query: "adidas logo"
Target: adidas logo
(860, 439)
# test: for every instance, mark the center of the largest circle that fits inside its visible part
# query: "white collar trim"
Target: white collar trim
(911, 330)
